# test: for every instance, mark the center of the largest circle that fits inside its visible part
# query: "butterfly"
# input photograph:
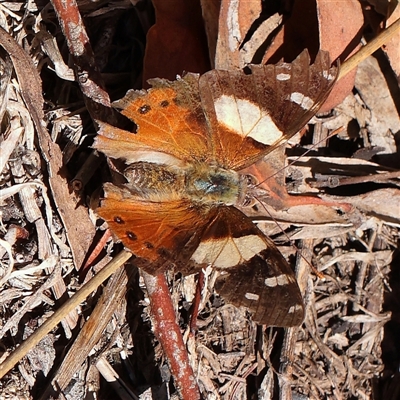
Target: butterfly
(182, 176)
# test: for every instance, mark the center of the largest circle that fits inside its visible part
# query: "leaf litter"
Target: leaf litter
(345, 347)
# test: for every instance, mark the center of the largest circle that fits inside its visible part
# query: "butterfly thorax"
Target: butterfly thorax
(198, 182)
(214, 185)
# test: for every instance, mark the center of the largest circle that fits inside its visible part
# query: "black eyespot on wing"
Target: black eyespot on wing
(164, 103)
(119, 220)
(144, 109)
(149, 245)
(131, 235)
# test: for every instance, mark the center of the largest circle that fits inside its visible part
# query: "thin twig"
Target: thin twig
(369, 48)
(69, 305)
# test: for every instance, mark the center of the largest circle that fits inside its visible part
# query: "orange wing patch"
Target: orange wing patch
(169, 120)
(159, 233)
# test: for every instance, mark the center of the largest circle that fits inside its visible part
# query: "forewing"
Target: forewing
(253, 273)
(161, 234)
(250, 115)
(170, 122)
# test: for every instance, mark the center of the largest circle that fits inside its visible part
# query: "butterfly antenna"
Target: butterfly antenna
(334, 133)
(316, 272)
(196, 302)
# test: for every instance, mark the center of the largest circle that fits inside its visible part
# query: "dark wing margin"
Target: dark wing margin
(250, 115)
(253, 273)
(278, 303)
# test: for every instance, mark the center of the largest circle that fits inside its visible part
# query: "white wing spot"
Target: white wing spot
(246, 119)
(271, 282)
(280, 280)
(303, 101)
(155, 157)
(252, 296)
(283, 77)
(328, 75)
(295, 308)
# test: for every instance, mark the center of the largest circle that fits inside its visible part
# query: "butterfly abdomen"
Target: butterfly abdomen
(150, 179)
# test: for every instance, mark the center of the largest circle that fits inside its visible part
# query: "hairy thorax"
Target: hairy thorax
(200, 183)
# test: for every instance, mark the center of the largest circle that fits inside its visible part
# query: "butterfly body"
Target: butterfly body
(200, 183)
(183, 176)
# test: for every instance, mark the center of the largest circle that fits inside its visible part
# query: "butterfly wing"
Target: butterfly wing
(171, 126)
(225, 117)
(173, 233)
(253, 273)
(250, 115)
(160, 234)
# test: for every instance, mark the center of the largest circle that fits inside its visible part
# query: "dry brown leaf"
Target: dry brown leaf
(340, 26)
(383, 122)
(177, 42)
(299, 31)
(91, 331)
(235, 20)
(210, 10)
(382, 203)
(391, 48)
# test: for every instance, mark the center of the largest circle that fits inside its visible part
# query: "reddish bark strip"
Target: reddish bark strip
(168, 333)
(88, 76)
